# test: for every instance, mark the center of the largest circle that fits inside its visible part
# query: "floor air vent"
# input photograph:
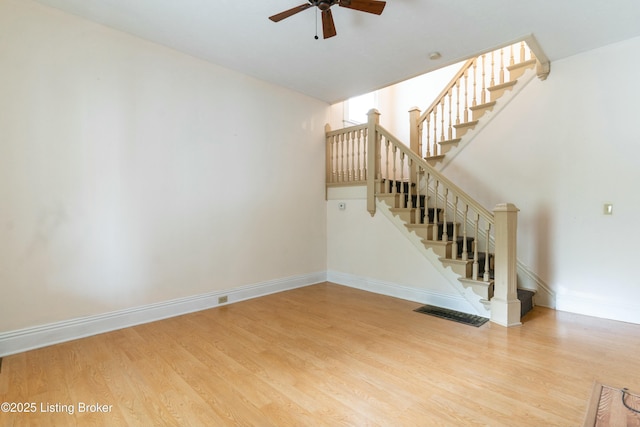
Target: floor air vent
(456, 316)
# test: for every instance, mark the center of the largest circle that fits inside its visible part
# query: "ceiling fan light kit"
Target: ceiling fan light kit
(328, 26)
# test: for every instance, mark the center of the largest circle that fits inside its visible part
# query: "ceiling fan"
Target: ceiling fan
(328, 26)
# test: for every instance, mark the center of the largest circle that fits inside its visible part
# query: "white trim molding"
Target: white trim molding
(595, 306)
(423, 296)
(21, 340)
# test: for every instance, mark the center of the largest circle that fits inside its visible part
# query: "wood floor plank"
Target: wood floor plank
(327, 355)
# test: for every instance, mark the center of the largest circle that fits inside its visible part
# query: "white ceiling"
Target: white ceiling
(370, 51)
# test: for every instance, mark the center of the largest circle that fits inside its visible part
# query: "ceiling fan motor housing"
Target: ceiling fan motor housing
(323, 4)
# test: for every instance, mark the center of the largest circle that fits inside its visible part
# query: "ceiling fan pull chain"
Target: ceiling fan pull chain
(316, 36)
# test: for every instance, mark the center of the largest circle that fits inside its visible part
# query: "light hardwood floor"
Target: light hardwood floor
(326, 355)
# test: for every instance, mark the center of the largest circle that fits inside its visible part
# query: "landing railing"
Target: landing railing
(347, 155)
(369, 154)
(470, 92)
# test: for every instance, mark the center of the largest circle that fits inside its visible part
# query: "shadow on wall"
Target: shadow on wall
(541, 238)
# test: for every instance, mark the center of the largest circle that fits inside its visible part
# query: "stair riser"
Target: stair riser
(406, 215)
(442, 249)
(461, 269)
(423, 231)
(391, 200)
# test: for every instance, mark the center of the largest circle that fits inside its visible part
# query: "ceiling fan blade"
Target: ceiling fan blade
(370, 6)
(328, 26)
(287, 13)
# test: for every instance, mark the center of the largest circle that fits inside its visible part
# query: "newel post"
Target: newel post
(414, 138)
(505, 306)
(372, 159)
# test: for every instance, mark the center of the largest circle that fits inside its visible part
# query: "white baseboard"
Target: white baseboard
(596, 306)
(423, 296)
(40, 336)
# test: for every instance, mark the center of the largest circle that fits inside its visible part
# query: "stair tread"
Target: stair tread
(470, 280)
(449, 141)
(466, 124)
(481, 106)
(524, 64)
(502, 85)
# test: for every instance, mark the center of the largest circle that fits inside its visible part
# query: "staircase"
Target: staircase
(473, 92)
(466, 256)
(476, 244)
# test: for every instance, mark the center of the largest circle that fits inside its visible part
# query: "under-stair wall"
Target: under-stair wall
(369, 253)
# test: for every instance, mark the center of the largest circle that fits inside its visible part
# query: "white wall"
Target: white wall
(372, 254)
(132, 174)
(421, 91)
(560, 150)
(394, 102)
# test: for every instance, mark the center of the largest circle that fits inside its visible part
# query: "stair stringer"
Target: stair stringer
(488, 116)
(467, 293)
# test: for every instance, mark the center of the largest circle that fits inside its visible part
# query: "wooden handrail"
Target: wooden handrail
(346, 130)
(446, 90)
(485, 213)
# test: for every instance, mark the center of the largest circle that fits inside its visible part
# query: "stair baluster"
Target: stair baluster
(483, 91)
(331, 152)
(465, 249)
(434, 147)
(466, 96)
(345, 157)
(337, 150)
(445, 225)
(457, 104)
(450, 127)
(340, 153)
(359, 151)
(386, 159)
(454, 247)
(442, 119)
(352, 170)
(419, 173)
(474, 102)
(436, 218)
(501, 66)
(486, 253)
(428, 219)
(402, 186)
(474, 274)
(394, 178)
(363, 173)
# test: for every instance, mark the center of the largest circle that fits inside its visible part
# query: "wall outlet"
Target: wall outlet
(222, 300)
